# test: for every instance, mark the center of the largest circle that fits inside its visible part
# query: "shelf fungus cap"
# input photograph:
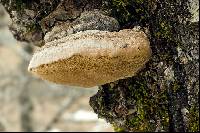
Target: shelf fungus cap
(90, 58)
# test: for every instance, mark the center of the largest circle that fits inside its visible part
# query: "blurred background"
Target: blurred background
(28, 103)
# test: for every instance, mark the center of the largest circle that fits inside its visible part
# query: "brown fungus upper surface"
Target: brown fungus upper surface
(92, 57)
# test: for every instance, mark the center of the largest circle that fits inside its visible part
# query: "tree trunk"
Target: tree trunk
(161, 97)
(164, 95)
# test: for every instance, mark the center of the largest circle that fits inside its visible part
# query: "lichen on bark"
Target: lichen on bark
(164, 95)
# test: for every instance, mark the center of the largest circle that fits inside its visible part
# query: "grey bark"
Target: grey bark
(164, 95)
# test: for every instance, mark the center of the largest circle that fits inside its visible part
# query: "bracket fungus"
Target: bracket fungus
(92, 57)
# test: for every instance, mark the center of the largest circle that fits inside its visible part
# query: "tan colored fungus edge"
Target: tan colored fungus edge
(92, 57)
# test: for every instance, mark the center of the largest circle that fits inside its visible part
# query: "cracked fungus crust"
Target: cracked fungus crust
(92, 57)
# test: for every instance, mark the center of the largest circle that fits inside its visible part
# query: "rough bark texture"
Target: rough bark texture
(33, 18)
(164, 95)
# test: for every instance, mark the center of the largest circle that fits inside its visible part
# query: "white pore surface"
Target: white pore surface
(87, 43)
